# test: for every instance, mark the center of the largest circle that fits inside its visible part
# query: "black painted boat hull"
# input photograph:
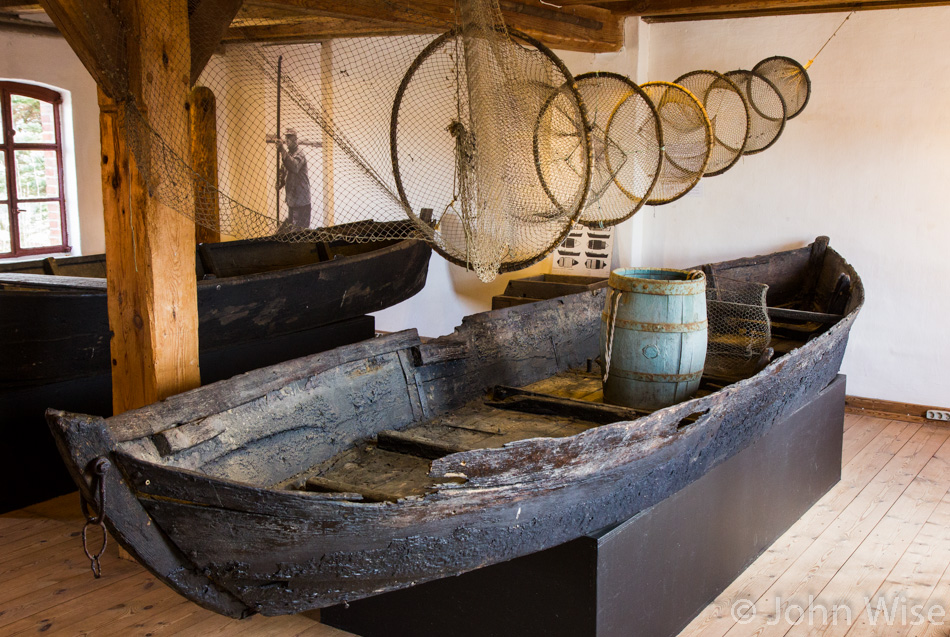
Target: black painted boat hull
(56, 349)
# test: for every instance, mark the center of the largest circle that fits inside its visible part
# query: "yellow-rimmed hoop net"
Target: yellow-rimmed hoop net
(766, 110)
(728, 117)
(626, 150)
(687, 140)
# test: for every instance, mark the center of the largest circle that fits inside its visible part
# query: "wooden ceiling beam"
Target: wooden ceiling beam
(580, 28)
(317, 28)
(95, 35)
(208, 23)
(19, 25)
(18, 6)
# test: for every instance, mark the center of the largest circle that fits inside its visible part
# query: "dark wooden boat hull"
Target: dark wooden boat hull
(55, 341)
(53, 335)
(239, 548)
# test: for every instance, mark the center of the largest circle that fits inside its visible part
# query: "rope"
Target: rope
(848, 17)
(613, 302)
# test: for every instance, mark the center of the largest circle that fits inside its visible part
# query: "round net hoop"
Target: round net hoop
(687, 140)
(626, 151)
(790, 78)
(728, 116)
(508, 190)
(766, 110)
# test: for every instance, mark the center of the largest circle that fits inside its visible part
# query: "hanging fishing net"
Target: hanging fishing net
(728, 117)
(739, 328)
(687, 140)
(766, 110)
(625, 147)
(790, 78)
(489, 135)
(300, 125)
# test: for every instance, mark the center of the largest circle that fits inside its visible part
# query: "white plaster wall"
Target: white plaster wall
(48, 60)
(451, 292)
(866, 163)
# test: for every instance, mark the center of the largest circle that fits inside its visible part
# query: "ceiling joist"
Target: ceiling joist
(577, 28)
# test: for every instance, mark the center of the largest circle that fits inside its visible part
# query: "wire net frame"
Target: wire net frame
(334, 97)
(626, 151)
(728, 117)
(519, 158)
(739, 327)
(687, 140)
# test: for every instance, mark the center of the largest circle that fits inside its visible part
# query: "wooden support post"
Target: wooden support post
(326, 102)
(204, 161)
(150, 248)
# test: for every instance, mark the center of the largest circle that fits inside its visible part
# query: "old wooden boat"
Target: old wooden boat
(259, 303)
(395, 461)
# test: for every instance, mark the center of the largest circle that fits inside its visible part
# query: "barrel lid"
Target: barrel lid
(661, 281)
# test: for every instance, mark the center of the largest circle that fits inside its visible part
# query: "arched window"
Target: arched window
(32, 207)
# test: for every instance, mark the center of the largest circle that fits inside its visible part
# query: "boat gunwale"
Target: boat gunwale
(661, 423)
(399, 245)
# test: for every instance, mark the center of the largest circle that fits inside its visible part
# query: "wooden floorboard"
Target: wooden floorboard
(46, 588)
(881, 534)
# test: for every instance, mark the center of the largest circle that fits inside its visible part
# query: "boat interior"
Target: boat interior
(354, 435)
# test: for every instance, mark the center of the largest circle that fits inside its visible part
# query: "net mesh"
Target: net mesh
(490, 133)
(766, 110)
(687, 140)
(728, 117)
(739, 327)
(790, 78)
(625, 147)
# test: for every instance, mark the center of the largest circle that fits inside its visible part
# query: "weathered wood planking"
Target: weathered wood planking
(365, 531)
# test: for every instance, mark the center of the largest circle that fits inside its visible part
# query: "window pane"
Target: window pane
(3, 176)
(33, 121)
(5, 245)
(37, 174)
(40, 224)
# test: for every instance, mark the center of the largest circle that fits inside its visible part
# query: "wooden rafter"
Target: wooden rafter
(90, 28)
(581, 28)
(208, 22)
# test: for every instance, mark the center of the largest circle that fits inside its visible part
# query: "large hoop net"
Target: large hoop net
(290, 135)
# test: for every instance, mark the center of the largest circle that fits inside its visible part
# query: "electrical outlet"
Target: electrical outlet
(938, 414)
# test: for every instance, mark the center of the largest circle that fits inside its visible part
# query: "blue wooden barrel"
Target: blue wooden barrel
(657, 319)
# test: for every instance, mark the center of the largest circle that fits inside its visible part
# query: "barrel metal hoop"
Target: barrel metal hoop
(687, 286)
(654, 378)
(661, 328)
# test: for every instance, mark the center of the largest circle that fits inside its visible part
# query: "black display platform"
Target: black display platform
(648, 576)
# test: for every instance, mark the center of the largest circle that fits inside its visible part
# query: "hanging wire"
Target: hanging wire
(847, 17)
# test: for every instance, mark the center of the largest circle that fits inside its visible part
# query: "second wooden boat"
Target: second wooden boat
(259, 302)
